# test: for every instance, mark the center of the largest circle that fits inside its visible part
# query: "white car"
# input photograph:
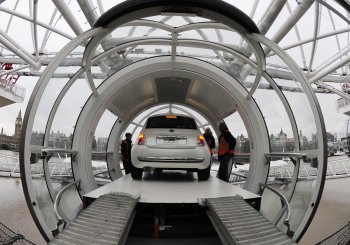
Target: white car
(170, 142)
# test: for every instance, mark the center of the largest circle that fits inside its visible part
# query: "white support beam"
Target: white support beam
(264, 25)
(331, 60)
(299, 38)
(333, 90)
(292, 19)
(336, 36)
(14, 47)
(270, 15)
(253, 10)
(34, 27)
(334, 10)
(89, 11)
(47, 32)
(308, 40)
(205, 38)
(314, 76)
(334, 28)
(68, 16)
(10, 21)
(316, 31)
(100, 6)
(149, 32)
(38, 22)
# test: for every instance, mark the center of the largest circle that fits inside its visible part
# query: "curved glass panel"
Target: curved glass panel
(299, 103)
(70, 204)
(303, 194)
(68, 111)
(48, 99)
(99, 148)
(44, 201)
(240, 169)
(305, 120)
(60, 173)
(276, 119)
(282, 174)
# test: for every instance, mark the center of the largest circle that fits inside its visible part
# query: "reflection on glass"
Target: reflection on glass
(240, 169)
(69, 110)
(297, 100)
(301, 201)
(60, 165)
(43, 197)
(99, 148)
(276, 119)
(70, 203)
(48, 98)
(280, 177)
(305, 120)
(270, 203)
(60, 172)
(44, 202)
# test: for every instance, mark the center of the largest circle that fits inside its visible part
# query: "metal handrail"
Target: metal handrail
(55, 207)
(285, 204)
(97, 153)
(285, 154)
(49, 151)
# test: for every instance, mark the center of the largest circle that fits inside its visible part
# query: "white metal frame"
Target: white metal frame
(183, 66)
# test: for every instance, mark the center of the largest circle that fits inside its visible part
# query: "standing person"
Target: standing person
(227, 144)
(126, 153)
(209, 138)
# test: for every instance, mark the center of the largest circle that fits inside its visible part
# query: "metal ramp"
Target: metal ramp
(106, 221)
(237, 222)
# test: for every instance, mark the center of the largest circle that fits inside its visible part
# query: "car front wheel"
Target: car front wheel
(136, 173)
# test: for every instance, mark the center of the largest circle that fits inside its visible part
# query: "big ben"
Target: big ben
(18, 129)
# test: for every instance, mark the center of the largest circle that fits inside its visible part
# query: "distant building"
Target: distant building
(278, 141)
(242, 144)
(12, 141)
(102, 144)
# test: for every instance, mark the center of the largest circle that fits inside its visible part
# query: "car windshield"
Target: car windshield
(171, 122)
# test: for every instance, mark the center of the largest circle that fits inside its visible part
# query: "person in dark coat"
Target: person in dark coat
(126, 153)
(209, 138)
(227, 144)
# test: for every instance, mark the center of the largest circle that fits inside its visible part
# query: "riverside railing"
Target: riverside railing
(9, 164)
(335, 168)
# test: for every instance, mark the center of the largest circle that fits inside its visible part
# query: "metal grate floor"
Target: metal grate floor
(237, 222)
(106, 221)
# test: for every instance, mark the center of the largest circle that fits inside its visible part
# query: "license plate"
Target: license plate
(171, 140)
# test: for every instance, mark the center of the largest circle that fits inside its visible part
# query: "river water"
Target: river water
(332, 214)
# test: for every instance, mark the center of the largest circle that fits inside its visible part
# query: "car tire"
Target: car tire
(136, 173)
(204, 173)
